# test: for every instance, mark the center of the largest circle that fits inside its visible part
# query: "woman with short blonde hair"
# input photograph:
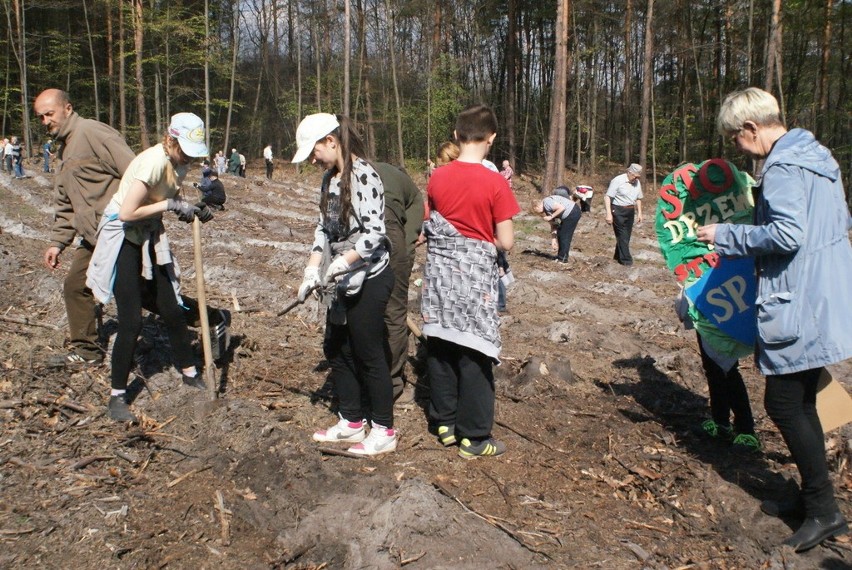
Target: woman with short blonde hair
(800, 244)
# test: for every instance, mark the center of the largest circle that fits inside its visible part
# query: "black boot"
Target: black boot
(816, 529)
(119, 411)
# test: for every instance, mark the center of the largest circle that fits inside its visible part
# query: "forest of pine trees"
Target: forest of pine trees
(609, 81)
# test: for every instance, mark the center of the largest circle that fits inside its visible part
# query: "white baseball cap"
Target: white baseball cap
(311, 129)
(634, 169)
(188, 129)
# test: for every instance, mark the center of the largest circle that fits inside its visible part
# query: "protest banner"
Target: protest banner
(721, 291)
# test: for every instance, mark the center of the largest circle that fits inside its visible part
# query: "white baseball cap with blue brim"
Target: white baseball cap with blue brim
(188, 129)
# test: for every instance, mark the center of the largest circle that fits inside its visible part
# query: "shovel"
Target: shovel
(209, 367)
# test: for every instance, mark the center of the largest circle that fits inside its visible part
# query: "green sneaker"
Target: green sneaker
(447, 435)
(747, 442)
(486, 448)
(710, 428)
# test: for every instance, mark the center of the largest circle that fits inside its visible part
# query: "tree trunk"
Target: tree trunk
(20, 51)
(315, 28)
(773, 46)
(593, 103)
(94, 67)
(511, 77)
(392, 50)
(647, 84)
(371, 131)
(158, 101)
(749, 49)
(297, 33)
(625, 94)
(347, 51)
(552, 172)
(110, 64)
(235, 46)
(140, 86)
(822, 98)
(207, 74)
(122, 90)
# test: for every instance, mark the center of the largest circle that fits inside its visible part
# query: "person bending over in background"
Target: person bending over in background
(564, 213)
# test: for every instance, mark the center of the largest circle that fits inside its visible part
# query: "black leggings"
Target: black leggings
(727, 394)
(790, 400)
(132, 293)
(359, 355)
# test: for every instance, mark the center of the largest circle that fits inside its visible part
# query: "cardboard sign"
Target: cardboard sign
(833, 403)
(725, 296)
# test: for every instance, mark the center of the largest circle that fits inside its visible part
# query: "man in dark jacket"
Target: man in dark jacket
(91, 159)
(213, 194)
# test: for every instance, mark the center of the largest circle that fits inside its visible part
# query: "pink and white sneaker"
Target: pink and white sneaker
(344, 430)
(380, 440)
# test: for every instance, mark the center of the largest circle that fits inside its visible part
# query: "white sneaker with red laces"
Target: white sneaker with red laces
(344, 430)
(380, 440)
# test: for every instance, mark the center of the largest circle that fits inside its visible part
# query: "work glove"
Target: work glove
(337, 266)
(185, 211)
(310, 280)
(204, 214)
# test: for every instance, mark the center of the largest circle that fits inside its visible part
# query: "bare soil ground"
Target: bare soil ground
(598, 395)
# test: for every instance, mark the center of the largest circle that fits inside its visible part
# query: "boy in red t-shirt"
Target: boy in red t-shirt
(460, 301)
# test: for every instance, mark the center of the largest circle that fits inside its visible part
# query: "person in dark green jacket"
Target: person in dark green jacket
(403, 220)
(234, 163)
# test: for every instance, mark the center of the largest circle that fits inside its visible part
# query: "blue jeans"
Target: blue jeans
(19, 168)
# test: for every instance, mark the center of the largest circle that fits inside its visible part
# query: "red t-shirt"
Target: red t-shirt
(472, 198)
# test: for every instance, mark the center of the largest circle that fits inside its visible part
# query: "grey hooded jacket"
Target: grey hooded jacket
(801, 246)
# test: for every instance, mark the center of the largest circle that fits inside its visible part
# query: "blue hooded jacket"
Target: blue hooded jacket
(800, 242)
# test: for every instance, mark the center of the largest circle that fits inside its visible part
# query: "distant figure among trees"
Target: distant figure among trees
(623, 203)
(234, 163)
(267, 158)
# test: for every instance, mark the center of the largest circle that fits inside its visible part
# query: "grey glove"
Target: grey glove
(204, 214)
(185, 211)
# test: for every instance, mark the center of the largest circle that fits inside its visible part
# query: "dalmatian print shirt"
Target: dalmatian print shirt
(368, 204)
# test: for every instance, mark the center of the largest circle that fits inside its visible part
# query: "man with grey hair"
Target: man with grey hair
(623, 205)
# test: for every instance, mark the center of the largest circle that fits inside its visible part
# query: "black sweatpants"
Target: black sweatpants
(462, 388)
